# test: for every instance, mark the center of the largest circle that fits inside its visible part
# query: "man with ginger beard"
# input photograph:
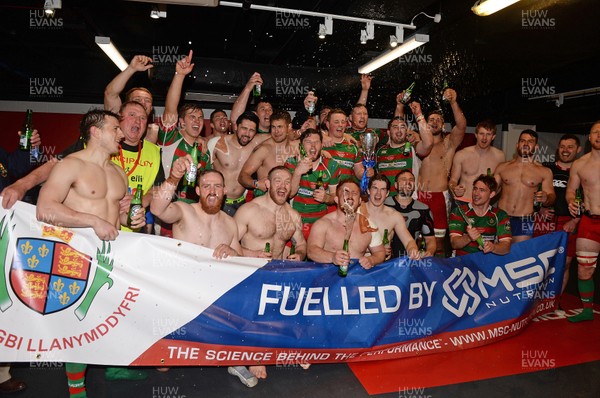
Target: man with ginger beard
(519, 179)
(201, 223)
(279, 224)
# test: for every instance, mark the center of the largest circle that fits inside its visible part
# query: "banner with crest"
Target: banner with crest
(67, 296)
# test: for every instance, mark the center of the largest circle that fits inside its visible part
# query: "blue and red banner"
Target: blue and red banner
(147, 300)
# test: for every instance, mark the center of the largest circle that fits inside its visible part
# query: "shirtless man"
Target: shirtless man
(328, 233)
(86, 190)
(387, 218)
(471, 162)
(584, 173)
(435, 169)
(219, 124)
(231, 153)
(272, 152)
(278, 224)
(200, 223)
(519, 179)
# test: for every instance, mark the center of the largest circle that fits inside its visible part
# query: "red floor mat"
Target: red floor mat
(546, 344)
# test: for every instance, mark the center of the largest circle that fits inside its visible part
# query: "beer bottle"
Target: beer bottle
(423, 244)
(136, 204)
(267, 247)
(407, 93)
(189, 180)
(26, 131)
(292, 249)
(406, 150)
(302, 151)
(489, 172)
(385, 240)
(311, 104)
(536, 204)
(343, 269)
(257, 90)
(319, 183)
(444, 87)
(578, 201)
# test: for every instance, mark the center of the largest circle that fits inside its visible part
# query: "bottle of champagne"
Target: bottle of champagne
(408, 93)
(578, 201)
(26, 131)
(136, 204)
(189, 180)
(536, 204)
(444, 87)
(343, 269)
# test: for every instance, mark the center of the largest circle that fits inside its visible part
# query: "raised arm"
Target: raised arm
(239, 106)
(458, 131)
(161, 205)
(365, 85)
(112, 101)
(183, 67)
(425, 144)
(459, 190)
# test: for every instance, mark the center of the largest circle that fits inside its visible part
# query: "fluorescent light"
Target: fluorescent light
(105, 44)
(487, 7)
(390, 55)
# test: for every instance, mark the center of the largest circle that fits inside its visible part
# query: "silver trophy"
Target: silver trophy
(368, 143)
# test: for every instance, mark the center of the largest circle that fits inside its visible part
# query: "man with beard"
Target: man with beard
(519, 179)
(417, 215)
(557, 217)
(86, 190)
(391, 157)
(491, 224)
(271, 153)
(471, 162)
(201, 223)
(326, 240)
(231, 153)
(314, 180)
(584, 174)
(388, 219)
(433, 175)
(262, 109)
(278, 225)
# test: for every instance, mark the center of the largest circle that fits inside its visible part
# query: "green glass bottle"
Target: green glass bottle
(489, 172)
(302, 151)
(319, 183)
(386, 239)
(136, 204)
(292, 250)
(406, 149)
(26, 131)
(343, 269)
(578, 201)
(408, 93)
(189, 180)
(444, 87)
(267, 247)
(536, 204)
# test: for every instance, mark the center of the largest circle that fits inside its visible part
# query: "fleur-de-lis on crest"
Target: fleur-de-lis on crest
(26, 248)
(43, 250)
(74, 288)
(64, 298)
(32, 261)
(58, 285)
